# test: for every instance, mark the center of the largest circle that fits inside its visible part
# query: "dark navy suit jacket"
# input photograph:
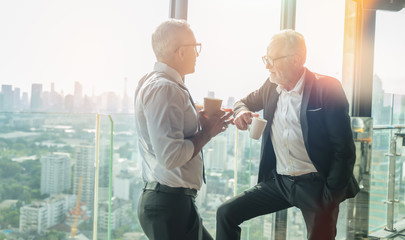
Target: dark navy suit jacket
(325, 127)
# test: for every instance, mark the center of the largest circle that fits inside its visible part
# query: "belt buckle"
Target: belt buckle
(151, 186)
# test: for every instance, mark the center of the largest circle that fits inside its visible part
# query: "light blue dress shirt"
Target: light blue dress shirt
(165, 119)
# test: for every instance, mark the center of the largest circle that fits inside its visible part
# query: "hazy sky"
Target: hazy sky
(99, 43)
(389, 53)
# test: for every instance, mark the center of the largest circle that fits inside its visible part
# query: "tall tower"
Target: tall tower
(36, 96)
(55, 173)
(24, 101)
(78, 96)
(8, 98)
(17, 98)
(84, 168)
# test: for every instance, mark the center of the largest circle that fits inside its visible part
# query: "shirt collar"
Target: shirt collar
(298, 87)
(163, 67)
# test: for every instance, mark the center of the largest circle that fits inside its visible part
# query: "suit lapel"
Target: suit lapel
(309, 79)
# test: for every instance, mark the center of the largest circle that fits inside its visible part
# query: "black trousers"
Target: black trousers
(168, 216)
(305, 192)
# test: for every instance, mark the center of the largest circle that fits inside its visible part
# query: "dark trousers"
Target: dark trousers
(304, 192)
(168, 216)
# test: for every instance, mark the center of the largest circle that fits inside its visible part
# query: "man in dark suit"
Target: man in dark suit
(307, 154)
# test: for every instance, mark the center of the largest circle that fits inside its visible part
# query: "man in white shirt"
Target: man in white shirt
(308, 152)
(171, 134)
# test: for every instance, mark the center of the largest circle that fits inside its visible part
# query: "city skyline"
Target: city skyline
(11, 100)
(101, 43)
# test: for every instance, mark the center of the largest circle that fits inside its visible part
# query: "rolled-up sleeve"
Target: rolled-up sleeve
(164, 112)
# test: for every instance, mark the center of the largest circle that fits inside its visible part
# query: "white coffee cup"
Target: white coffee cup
(212, 105)
(256, 128)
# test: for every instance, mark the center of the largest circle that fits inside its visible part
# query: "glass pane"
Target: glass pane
(43, 157)
(388, 109)
(103, 182)
(234, 36)
(127, 180)
(248, 160)
(322, 24)
(95, 43)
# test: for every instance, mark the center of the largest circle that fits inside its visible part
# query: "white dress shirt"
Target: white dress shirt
(286, 133)
(165, 118)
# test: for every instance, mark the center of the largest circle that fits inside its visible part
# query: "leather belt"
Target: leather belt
(306, 176)
(155, 186)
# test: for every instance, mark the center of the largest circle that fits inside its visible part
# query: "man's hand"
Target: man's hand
(243, 119)
(210, 127)
(216, 123)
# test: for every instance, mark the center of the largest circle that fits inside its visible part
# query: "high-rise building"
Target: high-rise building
(36, 96)
(69, 102)
(17, 98)
(120, 216)
(7, 97)
(55, 101)
(109, 101)
(39, 216)
(216, 153)
(84, 168)
(122, 186)
(33, 217)
(24, 101)
(55, 173)
(78, 96)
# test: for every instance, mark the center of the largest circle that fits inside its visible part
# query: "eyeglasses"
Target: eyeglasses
(266, 60)
(197, 47)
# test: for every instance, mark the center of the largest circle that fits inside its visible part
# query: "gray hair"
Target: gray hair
(290, 42)
(167, 36)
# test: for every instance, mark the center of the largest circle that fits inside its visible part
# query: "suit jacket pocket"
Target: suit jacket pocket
(315, 117)
(314, 110)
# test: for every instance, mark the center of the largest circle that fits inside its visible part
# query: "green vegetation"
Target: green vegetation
(54, 235)
(119, 232)
(20, 181)
(9, 217)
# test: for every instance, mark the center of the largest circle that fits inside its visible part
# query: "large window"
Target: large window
(322, 24)
(95, 43)
(234, 36)
(83, 48)
(388, 109)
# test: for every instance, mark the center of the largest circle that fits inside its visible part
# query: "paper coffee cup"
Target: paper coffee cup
(257, 127)
(212, 105)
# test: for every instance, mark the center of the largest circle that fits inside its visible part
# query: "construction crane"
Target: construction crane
(77, 209)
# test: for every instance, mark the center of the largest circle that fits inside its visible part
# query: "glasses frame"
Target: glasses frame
(197, 47)
(268, 60)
